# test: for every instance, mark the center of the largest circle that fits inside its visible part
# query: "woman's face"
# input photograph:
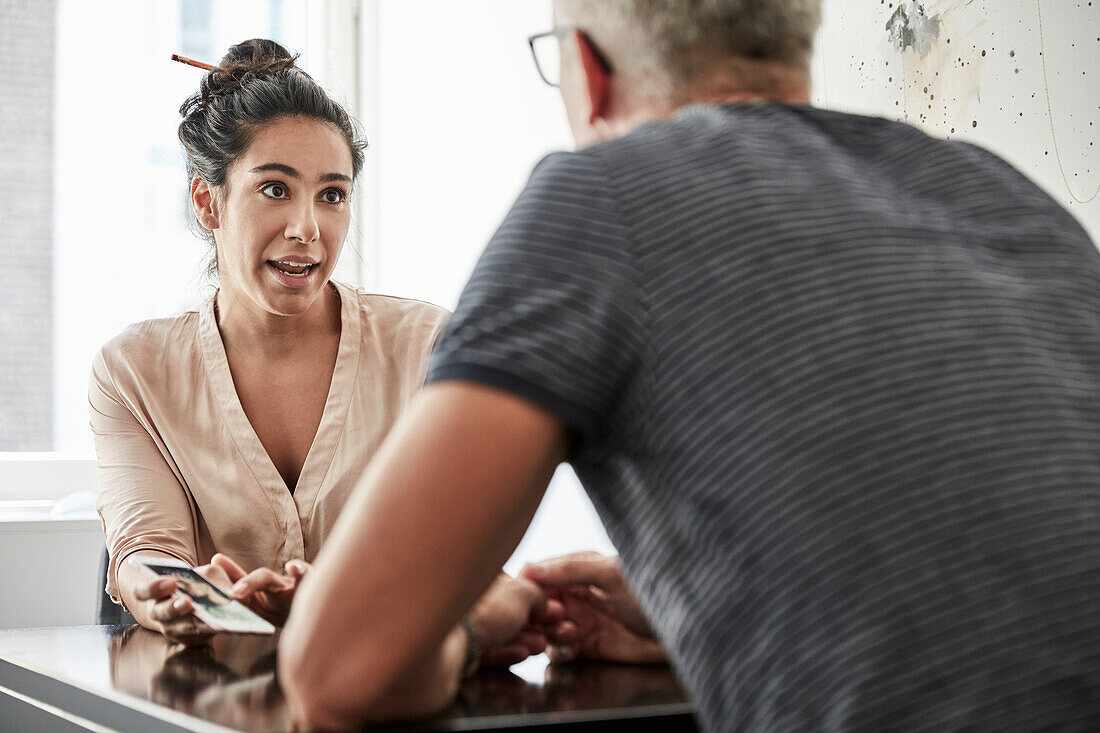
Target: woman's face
(283, 214)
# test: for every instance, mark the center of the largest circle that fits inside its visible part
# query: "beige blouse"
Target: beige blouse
(182, 471)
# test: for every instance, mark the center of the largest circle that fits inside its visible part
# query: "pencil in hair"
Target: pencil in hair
(192, 62)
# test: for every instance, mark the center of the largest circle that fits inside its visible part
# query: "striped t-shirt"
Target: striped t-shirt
(834, 389)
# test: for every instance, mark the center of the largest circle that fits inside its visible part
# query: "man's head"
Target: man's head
(667, 53)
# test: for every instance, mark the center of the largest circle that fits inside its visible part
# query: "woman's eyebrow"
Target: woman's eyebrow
(278, 167)
(293, 172)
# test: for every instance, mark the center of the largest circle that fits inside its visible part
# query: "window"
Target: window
(94, 191)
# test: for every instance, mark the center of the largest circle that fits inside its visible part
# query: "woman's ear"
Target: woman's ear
(204, 203)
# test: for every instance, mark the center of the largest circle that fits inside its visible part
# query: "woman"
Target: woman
(241, 427)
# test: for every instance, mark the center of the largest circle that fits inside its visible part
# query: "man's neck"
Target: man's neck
(797, 96)
(623, 123)
(734, 82)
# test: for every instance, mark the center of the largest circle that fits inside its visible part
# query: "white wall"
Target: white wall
(1020, 77)
(457, 117)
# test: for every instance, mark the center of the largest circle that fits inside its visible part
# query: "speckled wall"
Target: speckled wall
(1020, 77)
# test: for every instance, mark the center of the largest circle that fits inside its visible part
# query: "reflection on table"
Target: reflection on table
(231, 682)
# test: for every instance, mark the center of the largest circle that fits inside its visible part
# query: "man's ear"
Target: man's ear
(204, 203)
(595, 77)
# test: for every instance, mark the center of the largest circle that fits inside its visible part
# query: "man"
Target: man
(833, 386)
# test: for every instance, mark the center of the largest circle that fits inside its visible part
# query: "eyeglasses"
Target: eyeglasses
(546, 49)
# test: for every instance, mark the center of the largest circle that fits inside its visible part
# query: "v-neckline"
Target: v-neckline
(329, 430)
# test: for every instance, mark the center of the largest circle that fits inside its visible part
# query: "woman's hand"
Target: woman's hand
(171, 613)
(267, 593)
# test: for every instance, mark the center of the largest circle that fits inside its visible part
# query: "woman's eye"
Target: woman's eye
(274, 190)
(333, 196)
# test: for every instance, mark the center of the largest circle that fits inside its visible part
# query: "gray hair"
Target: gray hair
(661, 44)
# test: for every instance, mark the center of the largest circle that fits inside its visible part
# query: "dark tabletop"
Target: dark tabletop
(128, 678)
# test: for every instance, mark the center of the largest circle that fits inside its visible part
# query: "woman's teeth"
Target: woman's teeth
(294, 269)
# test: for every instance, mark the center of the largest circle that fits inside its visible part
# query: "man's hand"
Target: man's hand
(601, 618)
(267, 593)
(502, 620)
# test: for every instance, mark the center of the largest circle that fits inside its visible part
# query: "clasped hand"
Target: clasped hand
(576, 606)
(591, 612)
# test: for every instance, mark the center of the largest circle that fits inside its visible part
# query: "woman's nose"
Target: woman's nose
(302, 225)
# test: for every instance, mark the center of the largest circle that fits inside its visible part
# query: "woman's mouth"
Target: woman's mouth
(295, 269)
(292, 273)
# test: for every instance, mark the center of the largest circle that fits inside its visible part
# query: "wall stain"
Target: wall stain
(911, 27)
(940, 79)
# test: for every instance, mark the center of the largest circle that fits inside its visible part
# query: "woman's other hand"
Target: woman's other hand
(161, 608)
(267, 593)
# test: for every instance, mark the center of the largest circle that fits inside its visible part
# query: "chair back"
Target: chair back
(108, 612)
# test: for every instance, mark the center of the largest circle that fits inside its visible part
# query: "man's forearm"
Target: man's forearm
(427, 687)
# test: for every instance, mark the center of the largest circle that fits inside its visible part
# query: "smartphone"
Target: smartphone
(212, 606)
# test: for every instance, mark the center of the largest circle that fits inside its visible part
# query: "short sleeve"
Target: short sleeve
(552, 313)
(140, 500)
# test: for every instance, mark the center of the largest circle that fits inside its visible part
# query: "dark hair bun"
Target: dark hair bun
(252, 59)
(257, 56)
